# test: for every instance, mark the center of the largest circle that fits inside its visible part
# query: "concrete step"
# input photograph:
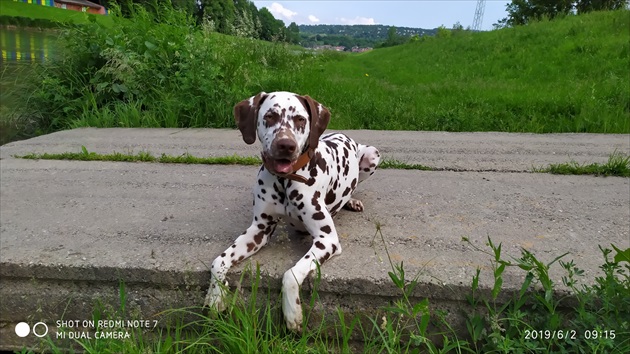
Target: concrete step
(71, 230)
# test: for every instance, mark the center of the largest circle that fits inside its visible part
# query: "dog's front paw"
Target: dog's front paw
(215, 298)
(354, 205)
(291, 305)
(292, 309)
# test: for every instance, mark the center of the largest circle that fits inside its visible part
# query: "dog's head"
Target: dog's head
(287, 125)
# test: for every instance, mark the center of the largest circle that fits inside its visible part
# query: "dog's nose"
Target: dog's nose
(287, 146)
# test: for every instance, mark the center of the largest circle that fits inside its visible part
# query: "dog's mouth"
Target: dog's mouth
(279, 166)
(284, 166)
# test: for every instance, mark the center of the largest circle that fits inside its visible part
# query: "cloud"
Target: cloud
(280, 11)
(358, 21)
(313, 19)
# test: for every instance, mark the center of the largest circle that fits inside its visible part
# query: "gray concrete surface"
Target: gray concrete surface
(70, 230)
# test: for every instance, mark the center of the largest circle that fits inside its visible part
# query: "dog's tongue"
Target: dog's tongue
(283, 166)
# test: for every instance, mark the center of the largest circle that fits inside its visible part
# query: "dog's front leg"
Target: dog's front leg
(250, 242)
(325, 245)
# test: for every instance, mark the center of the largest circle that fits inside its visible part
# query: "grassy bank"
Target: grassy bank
(568, 75)
(151, 71)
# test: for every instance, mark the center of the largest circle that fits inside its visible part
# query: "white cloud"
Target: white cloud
(280, 11)
(313, 19)
(358, 21)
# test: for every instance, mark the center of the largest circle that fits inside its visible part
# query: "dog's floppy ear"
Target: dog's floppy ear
(245, 113)
(320, 116)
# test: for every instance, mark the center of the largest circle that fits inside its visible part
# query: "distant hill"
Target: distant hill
(354, 35)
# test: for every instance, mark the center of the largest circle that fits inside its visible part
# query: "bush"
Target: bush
(153, 70)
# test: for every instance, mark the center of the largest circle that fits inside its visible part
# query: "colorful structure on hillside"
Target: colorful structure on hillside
(75, 5)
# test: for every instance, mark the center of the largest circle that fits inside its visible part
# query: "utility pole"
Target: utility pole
(481, 6)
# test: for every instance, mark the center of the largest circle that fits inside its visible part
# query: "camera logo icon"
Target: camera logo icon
(22, 329)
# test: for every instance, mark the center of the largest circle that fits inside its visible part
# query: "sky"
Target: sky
(409, 13)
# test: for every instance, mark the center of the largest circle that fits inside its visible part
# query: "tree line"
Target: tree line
(357, 35)
(234, 17)
(522, 12)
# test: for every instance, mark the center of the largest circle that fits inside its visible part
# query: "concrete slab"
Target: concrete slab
(70, 230)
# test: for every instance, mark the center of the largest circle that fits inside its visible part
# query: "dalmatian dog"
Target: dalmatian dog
(306, 178)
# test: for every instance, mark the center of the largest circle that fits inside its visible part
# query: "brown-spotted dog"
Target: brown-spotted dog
(305, 179)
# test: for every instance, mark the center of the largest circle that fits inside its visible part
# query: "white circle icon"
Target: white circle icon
(22, 329)
(43, 333)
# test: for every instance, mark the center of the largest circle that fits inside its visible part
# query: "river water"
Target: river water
(21, 49)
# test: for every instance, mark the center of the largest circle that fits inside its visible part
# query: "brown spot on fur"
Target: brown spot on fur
(330, 197)
(318, 216)
(259, 237)
(315, 200)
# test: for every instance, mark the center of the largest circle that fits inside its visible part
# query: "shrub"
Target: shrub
(153, 70)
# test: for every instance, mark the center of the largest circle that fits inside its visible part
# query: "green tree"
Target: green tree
(270, 28)
(245, 19)
(391, 34)
(522, 12)
(393, 38)
(220, 12)
(584, 6)
(293, 33)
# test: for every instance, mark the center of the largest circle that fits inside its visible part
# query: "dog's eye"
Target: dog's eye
(270, 118)
(300, 120)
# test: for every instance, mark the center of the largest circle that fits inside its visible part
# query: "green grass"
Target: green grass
(397, 164)
(11, 8)
(617, 165)
(591, 318)
(569, 75)
(85, 155)
(145, 156)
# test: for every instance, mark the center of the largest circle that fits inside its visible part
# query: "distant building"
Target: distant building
(330, 47)
(341, 48)
(356, 49)
(75, 5)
